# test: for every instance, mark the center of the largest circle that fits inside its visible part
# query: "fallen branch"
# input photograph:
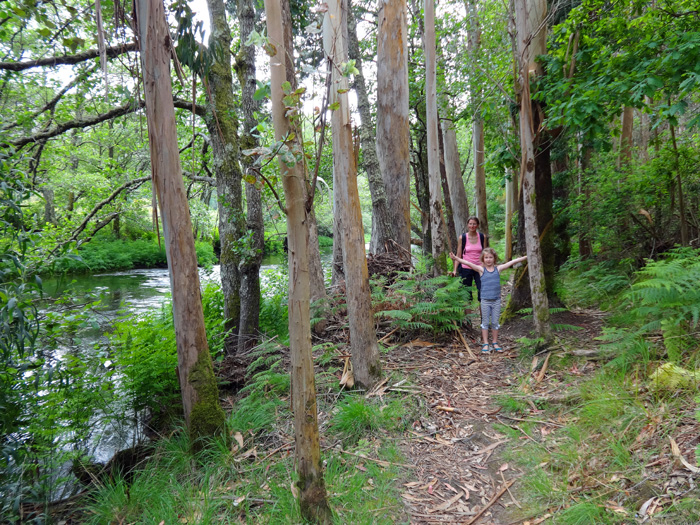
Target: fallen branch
(464, 342)
(543, 370)
(378, 461)
(448, 409)
(490, 503)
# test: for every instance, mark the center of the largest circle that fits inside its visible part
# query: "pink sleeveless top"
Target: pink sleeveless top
(472, 252)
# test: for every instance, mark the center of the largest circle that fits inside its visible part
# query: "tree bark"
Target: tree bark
(438, 229)
(540, 305)
(363, 341)
(453, 169)
(585, 245)
(392, 115)
(222, 123)
(49, 205)
(312, 492)
(474, 43)
(382, 231)
(250, 262)
(203, 414)
(449, 213)
(625, 153)
(511, 192)
(679, 182)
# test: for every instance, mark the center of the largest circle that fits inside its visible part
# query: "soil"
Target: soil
(460, 474)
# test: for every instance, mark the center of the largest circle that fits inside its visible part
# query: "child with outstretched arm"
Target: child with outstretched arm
(490, 294)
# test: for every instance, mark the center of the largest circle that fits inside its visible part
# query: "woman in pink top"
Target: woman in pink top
(470, 246)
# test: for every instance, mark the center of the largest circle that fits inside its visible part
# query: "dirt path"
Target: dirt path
(460, 475)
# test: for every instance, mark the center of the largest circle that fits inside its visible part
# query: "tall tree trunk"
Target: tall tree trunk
(367, 369)
(449, 214)
(625, 153)
(392, 115)
(525, 19)
(420, 173)
(560, 192)
(222, 123)
(585, 245)
(49, 206)
(250, 263)
(480, 174)
(316, 278)
(453, 169)
(679, 182)
(438, 229)
(203, 414)
(382, 231)
(312, 491)
(474, 44)
(521, 294)
(337, 270)
(511, 194)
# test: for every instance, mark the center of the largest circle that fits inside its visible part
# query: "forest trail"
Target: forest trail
(460, 474)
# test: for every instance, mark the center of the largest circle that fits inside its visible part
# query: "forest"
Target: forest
(226, 285)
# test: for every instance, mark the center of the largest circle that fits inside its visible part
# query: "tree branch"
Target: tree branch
(68, 59)
(59, 129)
(76, 233)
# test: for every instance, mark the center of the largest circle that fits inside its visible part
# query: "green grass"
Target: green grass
(225, 484)
(109, 254)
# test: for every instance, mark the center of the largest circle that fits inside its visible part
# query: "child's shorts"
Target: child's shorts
(490, 313)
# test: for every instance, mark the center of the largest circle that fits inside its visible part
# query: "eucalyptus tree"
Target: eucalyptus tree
(203, 413)
(438, 228)
(478, 144)
(312, 492)
(363, 340)
(392, 116)
(529, 17)
(382, 228)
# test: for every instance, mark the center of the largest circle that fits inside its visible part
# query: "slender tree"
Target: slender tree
(203, 414)
(312, 492)
(363, 341)
(222, 123)
(526, 14)
(438, 229)
(478, 144)
(250, 263)
(453, 168)
(382, 230)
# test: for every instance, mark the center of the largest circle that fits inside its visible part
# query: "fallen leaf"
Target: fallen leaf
(645, 506)
(238, 501)
(446, 505)
(676, 451)
(503, 467)
(295, 490)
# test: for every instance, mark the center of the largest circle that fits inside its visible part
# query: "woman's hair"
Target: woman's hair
(492, 252)
(473, 218)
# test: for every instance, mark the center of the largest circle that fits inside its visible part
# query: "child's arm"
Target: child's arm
(473, 266)
(503, 266)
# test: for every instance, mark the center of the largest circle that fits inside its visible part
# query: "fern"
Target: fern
(422, 303)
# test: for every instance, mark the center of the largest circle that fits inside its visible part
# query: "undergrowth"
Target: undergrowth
(600, 457)
(250, 479)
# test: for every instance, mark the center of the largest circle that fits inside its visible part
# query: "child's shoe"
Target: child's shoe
(496, 347)
(485, 349)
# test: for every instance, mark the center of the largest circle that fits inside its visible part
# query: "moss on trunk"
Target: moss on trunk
(207, 418)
